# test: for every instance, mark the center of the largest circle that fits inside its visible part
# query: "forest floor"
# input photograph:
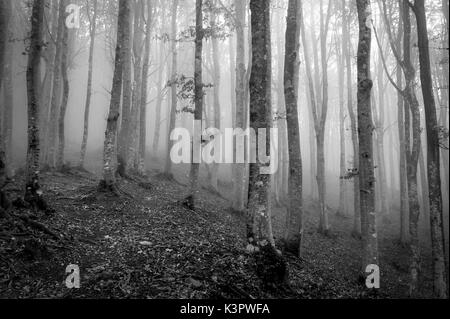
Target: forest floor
(145, 244)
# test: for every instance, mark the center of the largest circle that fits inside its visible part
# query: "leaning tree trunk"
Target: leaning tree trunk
(366, 163)
(198, 112)
(173, 89)
(109, 152)
(291, 79)
(87, 104)
(433, 160)
(33, 192)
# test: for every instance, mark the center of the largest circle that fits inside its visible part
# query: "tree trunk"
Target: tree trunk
(93, 27)
(291, 77)
(56, 91)
(259, 226)
(159, 97)
(366, 162)
(109, 152)
(199, 95)
(241, 101)
(65, 98)
(125, 130)
(8, 92)
(433, 160)
(173, 87)
(143, 106)
(33, 192)
(353, 126)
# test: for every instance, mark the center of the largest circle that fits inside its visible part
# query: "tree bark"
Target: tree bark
(199, 95)
(87, 105)
(65, 98)
(433, 159)
(291, 79)
(56, 91)
(109, 152)
(241, 100)
(143, 106)
(173, 87)
(365, 132)
(33, 192)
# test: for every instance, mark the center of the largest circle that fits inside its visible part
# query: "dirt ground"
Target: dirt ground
(145, 244)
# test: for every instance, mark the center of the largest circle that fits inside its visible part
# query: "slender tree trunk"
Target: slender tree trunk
(143, 106)
(133, 137)
(125, 130)
(199, 95)
(353, 126)
(241, 101)
(46, 94)
(109, 152)
(33, 192)
(159, 97)
(93, 27)
(291, 78)
(366, 167)
(56, 91)
(433, 159)
(65, 98)
(8, 92)
(342, 159)
(173, 86)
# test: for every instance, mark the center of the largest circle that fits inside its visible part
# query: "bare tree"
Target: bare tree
(366, 162)
(433, 155)
(87, 105)
(109, 152)
(33, 191)
(291, 78)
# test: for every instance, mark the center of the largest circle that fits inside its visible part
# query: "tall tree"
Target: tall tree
(198, 112)
(33, 192)
(125, 127)
(173, 86)
(56, 87)
(239, 169)
(109, 152)
(143, 111)
(412, 131)
(65, 99)
(87, 105)
(291, 79)
(433, 159)
(259, 225)
(365, 132)
(347, 49)
(8, 89)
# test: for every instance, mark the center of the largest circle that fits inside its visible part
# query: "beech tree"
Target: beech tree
(365, 132)
(109, 152)
(33, 191)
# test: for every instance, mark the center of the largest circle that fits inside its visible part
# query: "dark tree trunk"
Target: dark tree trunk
(291, 77)
(365, 132)
(109, 152)
(33, 192)
(433, 159)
